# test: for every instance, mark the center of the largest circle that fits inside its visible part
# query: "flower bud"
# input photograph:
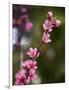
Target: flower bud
(57, 23)
(50, 14)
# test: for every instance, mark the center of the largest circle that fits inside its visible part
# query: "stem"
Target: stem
(40, 45)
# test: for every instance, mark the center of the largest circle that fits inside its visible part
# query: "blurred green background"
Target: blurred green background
(51, 62)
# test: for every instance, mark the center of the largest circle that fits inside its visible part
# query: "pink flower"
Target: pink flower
(28, 73)
(32, 52)
(48, 25)
(46, 38)
(57, 23)
(28, 26)
(31, 65)
(21, 78)
(17, 82)
(50, 14)
(20, 74)
(32, 75)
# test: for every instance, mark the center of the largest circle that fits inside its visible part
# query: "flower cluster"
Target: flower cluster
(46, 37)
(48, 26)
(31, 67)
(28, 73)
(21, 78)
(33, 52)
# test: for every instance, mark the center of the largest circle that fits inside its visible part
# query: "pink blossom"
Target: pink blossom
(50, 22)
(46, 38)
(21, 78)
(48, 25)
(28, 73)
(57, 23)
(28, 26)
(50, 14)
(20, 73)
(31, 65)
(32, 75)
(17, 82)
(32, 52)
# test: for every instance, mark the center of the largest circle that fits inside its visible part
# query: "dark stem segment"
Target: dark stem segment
(40, 45)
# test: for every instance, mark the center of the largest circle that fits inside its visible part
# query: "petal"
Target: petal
(35, 62)
(28, 53)
(47, 41)
(28, 80)
(50, 30)
(50, 14)
(44, 35)
(35, 67)
(46, 22)
(17, 81)
(31, 50)
(32, 71)
(51, 26)
(58, 22)
(35, 49)
(47, 35)
(28, 66)
(38, 54)
(44, 26)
